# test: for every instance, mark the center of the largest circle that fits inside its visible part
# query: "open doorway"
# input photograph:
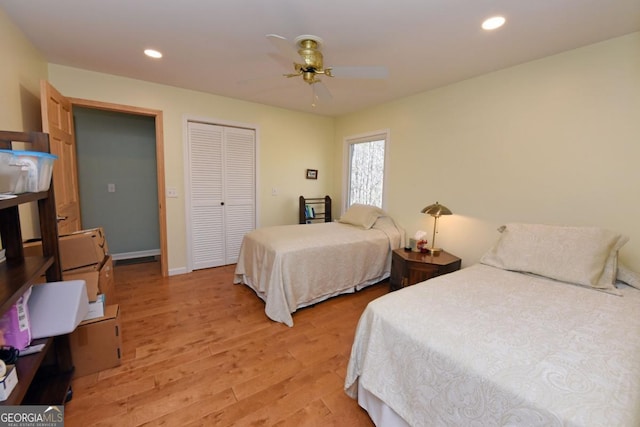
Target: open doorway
(151, 225)
(117, 180)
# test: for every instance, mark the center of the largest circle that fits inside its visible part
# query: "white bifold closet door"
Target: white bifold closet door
(222, 192)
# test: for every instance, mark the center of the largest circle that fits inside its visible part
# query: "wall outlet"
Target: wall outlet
(111, 188)
(172, 192)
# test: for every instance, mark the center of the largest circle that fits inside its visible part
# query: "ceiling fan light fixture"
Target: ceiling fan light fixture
(493, 23)
(308, 63)
(309, 77)
(152, 53)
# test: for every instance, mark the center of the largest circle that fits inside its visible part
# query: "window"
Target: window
(365, 169)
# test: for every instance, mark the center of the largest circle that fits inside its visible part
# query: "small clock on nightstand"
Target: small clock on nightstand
(409, 268)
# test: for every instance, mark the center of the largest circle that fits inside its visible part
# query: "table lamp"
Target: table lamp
(435, 210)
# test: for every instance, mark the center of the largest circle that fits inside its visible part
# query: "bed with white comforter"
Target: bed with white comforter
(487, 346)
(293, 266)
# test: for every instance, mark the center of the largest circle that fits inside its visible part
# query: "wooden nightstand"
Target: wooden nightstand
(409, 268)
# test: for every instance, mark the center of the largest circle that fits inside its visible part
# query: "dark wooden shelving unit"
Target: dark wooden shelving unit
(43, 377)
(321, 207)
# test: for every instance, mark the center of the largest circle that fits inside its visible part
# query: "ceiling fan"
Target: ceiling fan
(308, 63)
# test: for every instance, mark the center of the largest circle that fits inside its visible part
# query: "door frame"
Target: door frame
(158, 117)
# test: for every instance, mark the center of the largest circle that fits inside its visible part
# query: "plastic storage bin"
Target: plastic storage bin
(37, 168)
(56, 308)
(10, 172)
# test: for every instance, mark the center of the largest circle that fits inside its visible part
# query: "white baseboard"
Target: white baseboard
(138, 254)
(149, 253)
(177, 271)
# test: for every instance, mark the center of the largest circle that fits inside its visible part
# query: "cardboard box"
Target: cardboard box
(98, 277)
(96, 344)
(107, 282)
(96, 308)
(91, 282)
(8, 382)
(83, 248)
(79, 249)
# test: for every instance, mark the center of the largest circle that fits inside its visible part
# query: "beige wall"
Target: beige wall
(551, 141)
(21, 69)
(20, 73)
(289, 143)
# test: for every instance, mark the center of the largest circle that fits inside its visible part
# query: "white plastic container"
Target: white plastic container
(10, 172)
(8, 382)
(57, 308)
(37, 168)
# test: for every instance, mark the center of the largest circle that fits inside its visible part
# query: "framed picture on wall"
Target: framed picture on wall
(312, 174)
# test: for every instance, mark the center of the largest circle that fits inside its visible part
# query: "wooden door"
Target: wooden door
(57, 121)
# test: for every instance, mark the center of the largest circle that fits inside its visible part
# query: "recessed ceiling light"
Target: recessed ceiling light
(493, 22)
(152, 53)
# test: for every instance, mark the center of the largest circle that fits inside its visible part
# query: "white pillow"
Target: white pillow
(581, 255)
(362, 215)
(628, 276)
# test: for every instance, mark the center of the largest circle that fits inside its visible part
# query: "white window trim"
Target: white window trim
(354, 139)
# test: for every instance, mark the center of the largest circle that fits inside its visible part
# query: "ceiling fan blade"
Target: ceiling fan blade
(284, 46)
(372, 72)
(319, 92)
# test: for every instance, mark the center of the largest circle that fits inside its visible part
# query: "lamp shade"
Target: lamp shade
(436, 210)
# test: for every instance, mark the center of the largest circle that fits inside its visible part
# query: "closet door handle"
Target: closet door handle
(221, 203)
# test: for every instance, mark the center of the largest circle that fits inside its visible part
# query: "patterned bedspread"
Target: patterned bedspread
(293, 266)
(488, 347)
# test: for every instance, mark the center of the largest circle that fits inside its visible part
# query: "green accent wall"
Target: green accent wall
(119, 149)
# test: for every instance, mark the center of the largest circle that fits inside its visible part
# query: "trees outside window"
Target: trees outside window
(366, 169)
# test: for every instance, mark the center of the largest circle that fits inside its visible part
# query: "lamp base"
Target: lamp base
(434, 251)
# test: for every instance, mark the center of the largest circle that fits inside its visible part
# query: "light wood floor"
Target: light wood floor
(198, 350)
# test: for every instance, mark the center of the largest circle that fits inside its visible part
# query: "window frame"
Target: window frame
(348, 141)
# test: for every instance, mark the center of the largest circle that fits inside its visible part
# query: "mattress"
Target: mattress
(489, 347)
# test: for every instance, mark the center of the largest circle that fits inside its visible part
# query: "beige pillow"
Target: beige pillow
(362, 215)
(628, 276)
(581, 255)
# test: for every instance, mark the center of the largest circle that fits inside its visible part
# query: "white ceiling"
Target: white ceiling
(219, 46)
